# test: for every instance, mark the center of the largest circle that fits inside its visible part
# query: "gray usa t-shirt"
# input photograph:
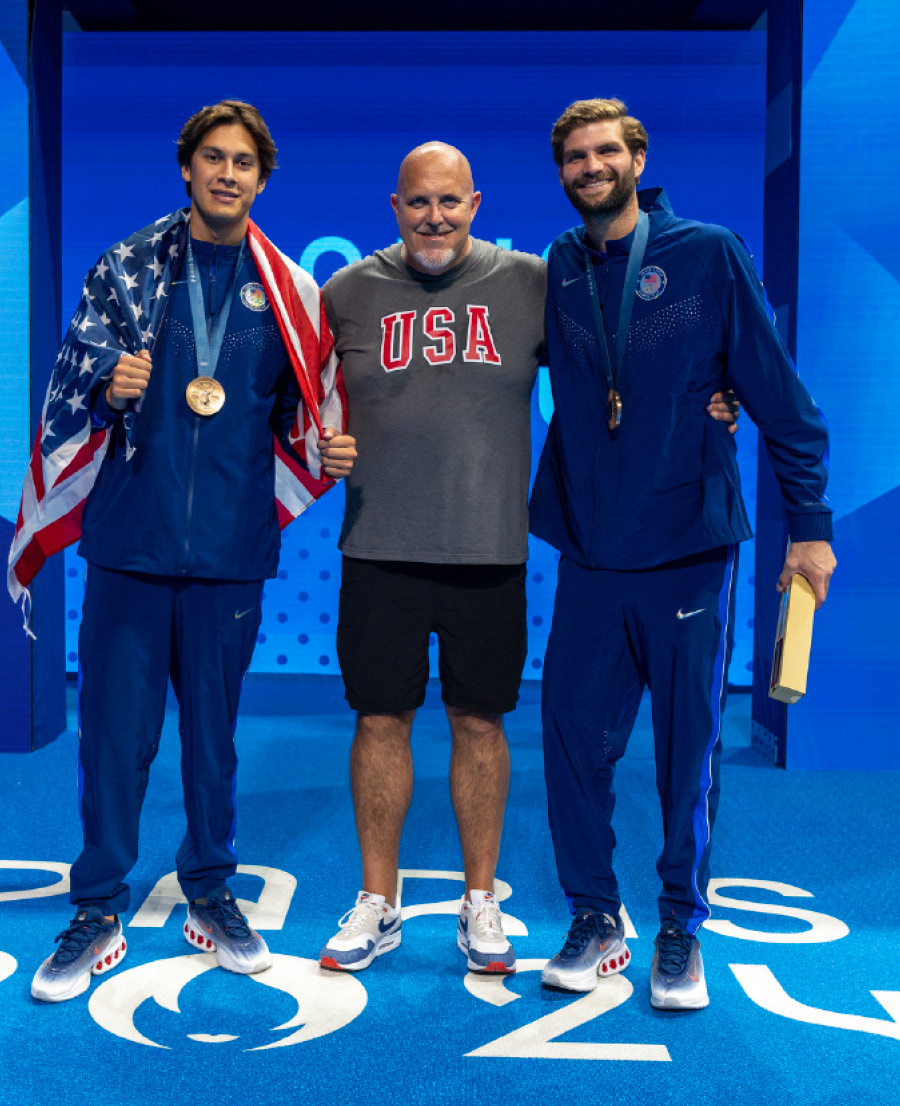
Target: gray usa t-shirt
(439, 372)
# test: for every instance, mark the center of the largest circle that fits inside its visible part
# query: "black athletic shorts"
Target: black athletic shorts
(389, 608)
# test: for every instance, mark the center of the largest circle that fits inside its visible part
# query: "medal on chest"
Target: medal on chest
(205, 395)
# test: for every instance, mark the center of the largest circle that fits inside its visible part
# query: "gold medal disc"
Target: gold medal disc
(613, 410)
(205, 395)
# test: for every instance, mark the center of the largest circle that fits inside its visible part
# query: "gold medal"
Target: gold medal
(205, 395)
(613, 410)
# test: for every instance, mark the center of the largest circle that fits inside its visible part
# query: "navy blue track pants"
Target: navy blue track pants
(137, 632)
(669, 629)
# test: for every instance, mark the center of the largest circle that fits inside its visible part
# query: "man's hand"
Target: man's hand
(129, 379)
(724, 407)
(338, 452)
(815, 561)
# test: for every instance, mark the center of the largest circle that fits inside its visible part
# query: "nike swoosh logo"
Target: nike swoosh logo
(240, 614)
(690, 614)
(570, 280)
(382, 928)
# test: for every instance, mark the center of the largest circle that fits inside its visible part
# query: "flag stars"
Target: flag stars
(160, 291)
(86, 364)
(157, 267)
(130, 281)
(102, 269)
(137, 311)
(76, 402)
(122, 251)
(155, 237)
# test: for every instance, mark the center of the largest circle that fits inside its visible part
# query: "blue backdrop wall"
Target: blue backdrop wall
(848, 337)
(344, 112)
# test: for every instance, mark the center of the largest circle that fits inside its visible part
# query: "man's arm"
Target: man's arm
(793, 430)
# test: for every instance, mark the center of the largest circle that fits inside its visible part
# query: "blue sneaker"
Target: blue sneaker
(479, 934)
(369, 929)
(677, 979)
(218, 926)
(88, 947)
(595, 947)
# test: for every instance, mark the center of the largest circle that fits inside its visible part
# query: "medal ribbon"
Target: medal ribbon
(611, 368)
(208, 336)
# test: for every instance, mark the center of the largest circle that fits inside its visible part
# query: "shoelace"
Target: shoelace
(226, 913)
(674, 948)
(75, 939)
(583, 929)
(364, 915)
(489, 922)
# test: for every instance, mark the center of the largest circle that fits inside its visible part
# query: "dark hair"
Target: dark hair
(584, 112)
(224, 113)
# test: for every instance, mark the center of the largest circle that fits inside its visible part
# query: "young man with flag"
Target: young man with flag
(195, 408)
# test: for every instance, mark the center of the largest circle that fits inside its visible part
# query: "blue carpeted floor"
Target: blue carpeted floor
(803, 980)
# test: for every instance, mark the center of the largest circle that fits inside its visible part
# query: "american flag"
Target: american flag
(123, 304)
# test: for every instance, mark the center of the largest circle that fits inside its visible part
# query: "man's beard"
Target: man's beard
(435, 260)
(615, 201)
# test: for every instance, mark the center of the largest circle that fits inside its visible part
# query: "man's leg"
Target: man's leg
(381, 778)
(123, 652)
(124, 661)
(216, 623)
(591, 693)
(687, 617)
(479, 784)
(215, 628)
(482, 635)
(382, 643)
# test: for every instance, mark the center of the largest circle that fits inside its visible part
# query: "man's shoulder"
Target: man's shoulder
(708, 239)
(492, 261)
(150, 236)
(376, 264)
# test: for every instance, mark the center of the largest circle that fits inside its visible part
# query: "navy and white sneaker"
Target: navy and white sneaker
(595, 947)
(479, 934)
(677, 979)
(369, 929)
(218, 926)
(89, 946)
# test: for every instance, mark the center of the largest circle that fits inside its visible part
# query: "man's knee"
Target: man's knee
(472, 727)
(384, 727)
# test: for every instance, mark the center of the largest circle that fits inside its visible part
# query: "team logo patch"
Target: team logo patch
(651, 283)
(254, 297)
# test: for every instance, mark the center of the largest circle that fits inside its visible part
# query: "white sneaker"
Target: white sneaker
(479, 934)
(368, 930)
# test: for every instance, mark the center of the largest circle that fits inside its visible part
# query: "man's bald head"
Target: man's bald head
(436, 154)
(435, 204)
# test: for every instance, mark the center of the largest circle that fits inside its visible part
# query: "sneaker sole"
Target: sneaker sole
(111, 957)
(195, 936)
(587, 980)
(383, 946)
(700, 1002)
(493, 967)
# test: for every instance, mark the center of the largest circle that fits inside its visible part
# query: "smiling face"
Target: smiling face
(224, 179)
(435, 204)
(598, 172)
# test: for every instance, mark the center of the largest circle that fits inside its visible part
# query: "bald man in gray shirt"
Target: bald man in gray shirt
(439, 337)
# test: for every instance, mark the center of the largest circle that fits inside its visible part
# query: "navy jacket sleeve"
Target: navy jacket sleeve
(761, 372)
